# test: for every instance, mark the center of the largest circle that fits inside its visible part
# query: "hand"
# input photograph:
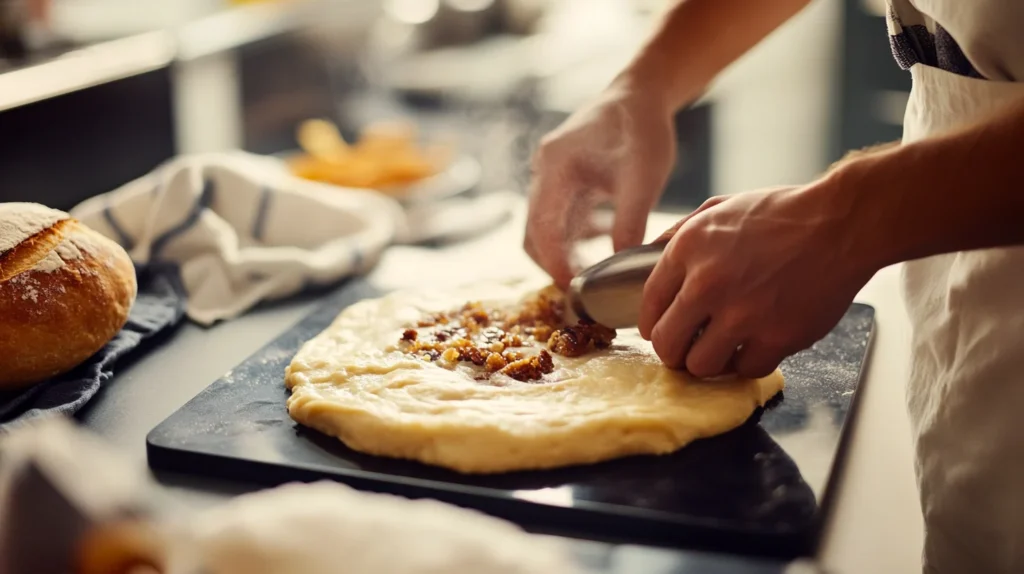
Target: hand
(621, 149)
(759, 275)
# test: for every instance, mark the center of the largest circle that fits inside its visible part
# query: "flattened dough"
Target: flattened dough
(352, 382)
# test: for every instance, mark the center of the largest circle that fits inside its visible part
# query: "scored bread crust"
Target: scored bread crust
(65, 292)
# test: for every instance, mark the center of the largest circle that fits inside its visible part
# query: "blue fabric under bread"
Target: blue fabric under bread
(160, 306)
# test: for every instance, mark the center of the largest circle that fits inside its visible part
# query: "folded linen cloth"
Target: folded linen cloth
(242, 229)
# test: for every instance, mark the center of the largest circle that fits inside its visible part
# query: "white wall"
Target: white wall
(772, 107)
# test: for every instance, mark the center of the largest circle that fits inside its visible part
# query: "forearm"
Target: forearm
(956, 192)
(696, 39)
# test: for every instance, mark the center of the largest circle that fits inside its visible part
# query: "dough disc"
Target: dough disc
(353, 382)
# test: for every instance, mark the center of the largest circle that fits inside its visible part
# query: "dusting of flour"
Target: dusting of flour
(19, 221)
(33, 290)
(67, 250)
(50, 263)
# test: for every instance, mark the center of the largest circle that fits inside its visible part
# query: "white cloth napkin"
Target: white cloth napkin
(242, 229)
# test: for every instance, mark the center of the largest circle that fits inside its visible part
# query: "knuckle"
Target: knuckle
(702, 287)
(759, 368)
(656, 292)
(676, 252)
(683, 298)
(761, 362)
(547, 148)
(549, 138)
(709, 202)
(662, 347)
(691, 233)
(737, 321)
(754, 370)
(679, 254)
(528, 247)
(779, 339)
(651, 293)
(670, 232)
(699, 364)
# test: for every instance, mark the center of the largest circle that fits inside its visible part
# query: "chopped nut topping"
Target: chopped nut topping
(471, 334)
(495, 362)
(580, 339)
(530, 369)
(542, 333)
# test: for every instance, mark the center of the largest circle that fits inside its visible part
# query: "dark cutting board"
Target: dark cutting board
(762, 489)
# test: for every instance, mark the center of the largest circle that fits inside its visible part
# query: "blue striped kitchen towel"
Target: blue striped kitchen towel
(242, 230)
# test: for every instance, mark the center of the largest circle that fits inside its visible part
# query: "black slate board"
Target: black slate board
(762, 489)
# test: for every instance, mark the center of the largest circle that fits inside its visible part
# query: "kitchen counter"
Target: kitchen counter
(875, 525)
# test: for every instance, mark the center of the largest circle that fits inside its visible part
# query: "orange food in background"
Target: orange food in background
(386, 156)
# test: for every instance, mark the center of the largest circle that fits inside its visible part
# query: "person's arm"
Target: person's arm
(620, 147)
(697, 39)
(960, 191)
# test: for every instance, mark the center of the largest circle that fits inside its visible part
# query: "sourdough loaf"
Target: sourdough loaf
(65, 291)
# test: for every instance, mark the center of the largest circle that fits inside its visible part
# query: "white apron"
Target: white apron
(966, 390)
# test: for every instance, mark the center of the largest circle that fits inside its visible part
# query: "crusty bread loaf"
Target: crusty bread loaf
(65, 291)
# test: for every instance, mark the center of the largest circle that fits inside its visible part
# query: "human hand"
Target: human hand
(759, 275)
(620, 148)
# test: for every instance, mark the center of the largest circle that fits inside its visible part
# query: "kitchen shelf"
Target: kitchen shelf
(79, 67)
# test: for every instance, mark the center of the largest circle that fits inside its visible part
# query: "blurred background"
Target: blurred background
(94, 93)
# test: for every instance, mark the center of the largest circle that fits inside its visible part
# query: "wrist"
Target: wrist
(658, 78)
(859, 217)
(636, 85)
